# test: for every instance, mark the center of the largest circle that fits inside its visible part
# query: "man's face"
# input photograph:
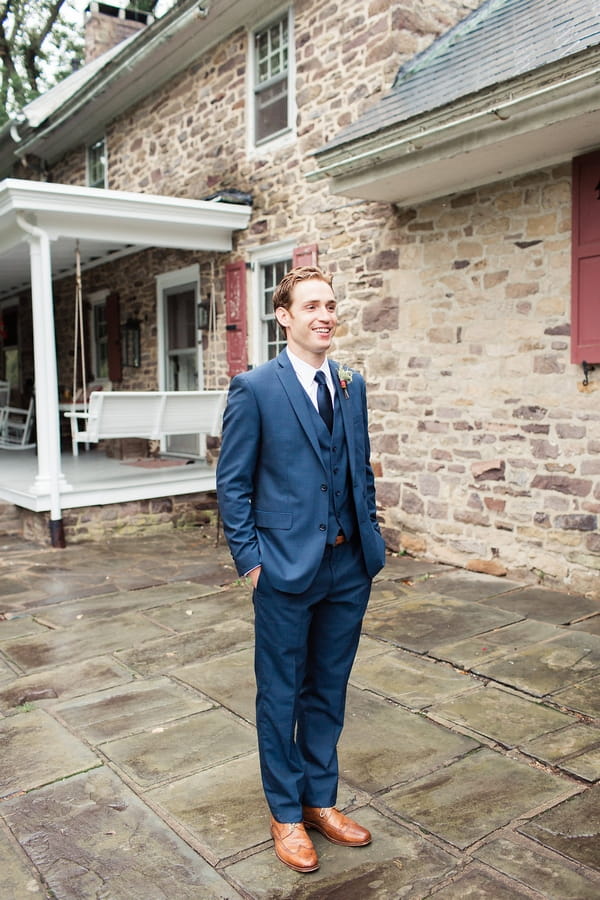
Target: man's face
(310, 321)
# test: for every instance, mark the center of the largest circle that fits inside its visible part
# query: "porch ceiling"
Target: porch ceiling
(107, 224)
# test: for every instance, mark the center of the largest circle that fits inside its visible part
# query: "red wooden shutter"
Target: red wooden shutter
(585, 280)
(113, 337)
(235, 308)
(306, 256)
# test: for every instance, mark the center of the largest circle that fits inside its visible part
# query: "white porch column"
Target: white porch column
(49, 479)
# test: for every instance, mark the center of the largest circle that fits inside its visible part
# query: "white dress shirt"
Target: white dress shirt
(306, 376)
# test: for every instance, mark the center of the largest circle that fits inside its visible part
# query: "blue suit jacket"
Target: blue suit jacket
(270, 474)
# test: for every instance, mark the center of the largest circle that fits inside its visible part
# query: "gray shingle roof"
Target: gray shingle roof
(500, 40)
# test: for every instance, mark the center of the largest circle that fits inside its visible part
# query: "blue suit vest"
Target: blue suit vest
(341, 514)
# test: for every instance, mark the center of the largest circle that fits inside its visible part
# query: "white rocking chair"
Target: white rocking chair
(15, 427)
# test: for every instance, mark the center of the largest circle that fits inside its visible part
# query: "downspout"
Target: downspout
(46, 375)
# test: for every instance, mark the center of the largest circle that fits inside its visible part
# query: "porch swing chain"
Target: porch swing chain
(212, 328)
(78, 332)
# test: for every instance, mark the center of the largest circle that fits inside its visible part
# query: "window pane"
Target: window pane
(271, 111)
(273, 336)
(100, 341)
(97, 164)
(271, 80)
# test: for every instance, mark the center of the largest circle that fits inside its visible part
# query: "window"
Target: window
(269, 264)
(98, 364)
(271, 83)
(96, 164)
(272, 337)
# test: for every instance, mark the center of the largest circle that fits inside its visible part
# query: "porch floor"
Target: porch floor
(93, 479)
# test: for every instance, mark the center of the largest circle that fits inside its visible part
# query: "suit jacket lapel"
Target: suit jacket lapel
(298, 400)
(344, 406)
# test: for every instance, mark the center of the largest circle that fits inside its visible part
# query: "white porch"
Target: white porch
(94, 479)
(40, 226)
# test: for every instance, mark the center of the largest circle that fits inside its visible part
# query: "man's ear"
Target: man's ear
(281, 314)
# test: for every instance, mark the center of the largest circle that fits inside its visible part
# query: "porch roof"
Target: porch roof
(107, 224)
(512, 88)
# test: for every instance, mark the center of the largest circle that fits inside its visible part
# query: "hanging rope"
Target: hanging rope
(79, 341)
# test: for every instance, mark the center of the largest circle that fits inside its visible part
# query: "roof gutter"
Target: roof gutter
(372, 150)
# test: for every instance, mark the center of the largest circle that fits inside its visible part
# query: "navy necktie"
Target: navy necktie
(324, 400)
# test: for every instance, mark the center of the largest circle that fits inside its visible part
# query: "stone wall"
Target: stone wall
(140, 517)
(487, 449)
(487, 443)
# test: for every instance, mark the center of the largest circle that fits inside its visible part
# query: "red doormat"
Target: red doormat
(155, 463)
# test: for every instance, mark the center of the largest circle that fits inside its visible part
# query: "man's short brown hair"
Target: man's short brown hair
(282, 295)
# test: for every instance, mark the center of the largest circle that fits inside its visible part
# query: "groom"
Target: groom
(297, 499)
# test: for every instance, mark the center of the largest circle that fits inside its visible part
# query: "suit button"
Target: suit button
(322, 527)
(323, 487)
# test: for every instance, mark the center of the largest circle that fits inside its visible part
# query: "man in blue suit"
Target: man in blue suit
(297, 499)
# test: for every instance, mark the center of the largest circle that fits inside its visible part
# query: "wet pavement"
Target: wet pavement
(128, 755)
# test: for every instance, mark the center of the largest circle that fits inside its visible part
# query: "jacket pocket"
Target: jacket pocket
(266, 518)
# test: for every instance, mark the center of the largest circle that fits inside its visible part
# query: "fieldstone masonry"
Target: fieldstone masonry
(485, 443)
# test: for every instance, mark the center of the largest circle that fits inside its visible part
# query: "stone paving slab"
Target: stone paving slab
(134, 707)
(201, 612)
(63, 682)
(545, 668)
(504, 717)
(402, 567)
(478, 885)
(180, 748)
(223, 807)
(555, 607)
(474, 796)
(228, 680)
(550, 874)
(19, 625)
(81, 641)
(92, 837)
(470, 586)
(572, 828)
(591, 625)
(158, 656)
(426, 622)
(575, 749)
(388, 591)
(413, 681)
(122, 601)
(584, 697)
(6, 675)
(24, 767)
(18, 878)
(494, 644)
(398, 864)
(383, 744)
(368, 647)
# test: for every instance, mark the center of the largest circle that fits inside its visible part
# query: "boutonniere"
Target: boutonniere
(345, 376)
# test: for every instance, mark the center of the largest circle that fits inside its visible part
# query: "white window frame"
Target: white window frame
(98, 298)
(88, 173)
(167, 280)
(259, 257)
(284, 137)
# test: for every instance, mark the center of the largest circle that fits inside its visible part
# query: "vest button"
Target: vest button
(322, 527)
(323, 487)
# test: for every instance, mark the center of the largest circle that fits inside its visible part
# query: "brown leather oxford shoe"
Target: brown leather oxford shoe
(293, 846)
(335, 826)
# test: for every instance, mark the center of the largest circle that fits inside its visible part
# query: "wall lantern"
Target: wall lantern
(204, 315)
(130, 343)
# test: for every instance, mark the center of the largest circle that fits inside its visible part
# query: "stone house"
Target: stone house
(241, 138)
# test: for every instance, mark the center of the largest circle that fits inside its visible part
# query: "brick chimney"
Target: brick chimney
(107, 25)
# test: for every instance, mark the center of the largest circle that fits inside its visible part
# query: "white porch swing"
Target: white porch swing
(142, 414)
